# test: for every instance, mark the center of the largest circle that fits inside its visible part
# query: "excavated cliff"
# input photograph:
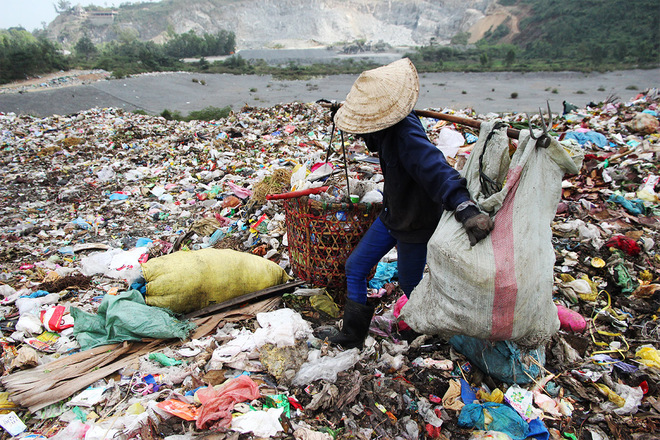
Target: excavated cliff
(283, 23)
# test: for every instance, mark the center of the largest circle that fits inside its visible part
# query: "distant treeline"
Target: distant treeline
(558, 35)
(553, 35)
(23, 54)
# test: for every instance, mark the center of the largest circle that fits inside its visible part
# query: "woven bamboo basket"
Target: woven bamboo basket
(322, 235)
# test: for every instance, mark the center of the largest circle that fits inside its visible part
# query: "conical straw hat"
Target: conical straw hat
(379, 98)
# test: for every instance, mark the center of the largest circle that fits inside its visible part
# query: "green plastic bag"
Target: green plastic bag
(185, 281)
(126, 317)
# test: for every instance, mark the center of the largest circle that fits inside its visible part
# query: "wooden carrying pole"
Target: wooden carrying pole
(511, 132)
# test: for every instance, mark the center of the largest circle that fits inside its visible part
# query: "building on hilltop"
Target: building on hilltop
(101, 18)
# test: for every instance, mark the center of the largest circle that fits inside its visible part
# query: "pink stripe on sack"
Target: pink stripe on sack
(506, 288)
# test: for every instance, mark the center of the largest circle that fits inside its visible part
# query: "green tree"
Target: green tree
(85, 48)
(23, 55)
(510, 58)
(461, 38)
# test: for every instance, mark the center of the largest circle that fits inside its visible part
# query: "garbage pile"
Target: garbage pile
(71, 78)
(97, 205)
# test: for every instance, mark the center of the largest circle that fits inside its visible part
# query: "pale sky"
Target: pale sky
(31, 13)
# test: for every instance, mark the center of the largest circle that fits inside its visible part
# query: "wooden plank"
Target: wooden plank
(50, 379)
(208, 325)
(280, 288)
(37, 401)
(64, 360)
(63, 371)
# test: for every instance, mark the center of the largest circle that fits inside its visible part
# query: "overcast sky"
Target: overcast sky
(31, 13)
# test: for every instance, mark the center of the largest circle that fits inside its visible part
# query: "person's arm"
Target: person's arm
(428, 166)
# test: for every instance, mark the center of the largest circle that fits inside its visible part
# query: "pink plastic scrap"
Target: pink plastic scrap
(217, 404)
(239, 191)
(571, 321)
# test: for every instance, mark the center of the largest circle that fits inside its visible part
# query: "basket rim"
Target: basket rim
(334, 205)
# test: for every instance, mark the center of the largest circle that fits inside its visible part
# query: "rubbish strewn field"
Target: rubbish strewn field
(89, 197)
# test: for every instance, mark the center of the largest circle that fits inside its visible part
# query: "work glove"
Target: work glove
(477, 224)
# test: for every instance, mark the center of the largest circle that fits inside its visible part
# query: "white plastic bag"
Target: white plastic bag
(326, 367)
(449, 141)
(501, 288)
(114, 263)
(260, 423)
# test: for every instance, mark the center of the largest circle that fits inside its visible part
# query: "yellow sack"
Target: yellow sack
(185, 281)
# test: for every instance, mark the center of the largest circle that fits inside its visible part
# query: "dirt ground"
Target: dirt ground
(184, 92)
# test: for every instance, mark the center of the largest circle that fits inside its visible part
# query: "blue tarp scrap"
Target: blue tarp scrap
(592, 137)
(385, 273)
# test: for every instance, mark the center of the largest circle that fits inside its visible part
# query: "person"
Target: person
(419, 185)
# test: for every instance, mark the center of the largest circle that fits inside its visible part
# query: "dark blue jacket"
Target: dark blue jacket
(419, 183)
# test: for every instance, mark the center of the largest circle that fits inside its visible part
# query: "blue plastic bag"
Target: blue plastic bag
(505, 419)
(503, 360)
(635, 206)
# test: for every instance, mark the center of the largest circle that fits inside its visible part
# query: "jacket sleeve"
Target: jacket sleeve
(428, 166)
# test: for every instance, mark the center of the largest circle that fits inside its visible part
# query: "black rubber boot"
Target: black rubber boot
(357, 318)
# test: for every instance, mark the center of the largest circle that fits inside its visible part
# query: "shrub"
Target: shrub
(209, 114)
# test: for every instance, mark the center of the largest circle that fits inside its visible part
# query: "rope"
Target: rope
(334, 107)
(488, 185)
(348, 189)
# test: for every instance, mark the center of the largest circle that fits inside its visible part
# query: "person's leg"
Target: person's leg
(410, 264)
(372, 247)
(357, 314)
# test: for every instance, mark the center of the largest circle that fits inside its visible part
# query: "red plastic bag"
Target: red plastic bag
(217, 404)
(627, 245)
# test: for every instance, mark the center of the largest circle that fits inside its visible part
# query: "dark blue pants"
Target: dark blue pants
(374, 245)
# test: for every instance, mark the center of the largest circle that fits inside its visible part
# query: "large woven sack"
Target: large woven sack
(185, 281)
(501, 288)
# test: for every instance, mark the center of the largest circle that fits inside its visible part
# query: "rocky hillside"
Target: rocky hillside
(283, 23)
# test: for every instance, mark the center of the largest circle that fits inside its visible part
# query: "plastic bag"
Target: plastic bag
(114, 263)
(503, 360)
(489, 435)
(500, 418)
(501, 288)
(125, 317)
(190, 280)
(326, 367)
(261, 423)
(449, 141)
(385, 272)
(648, 356)
(217, 403)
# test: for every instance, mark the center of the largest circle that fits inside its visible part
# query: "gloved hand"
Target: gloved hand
(478, 227)
(476, 224)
